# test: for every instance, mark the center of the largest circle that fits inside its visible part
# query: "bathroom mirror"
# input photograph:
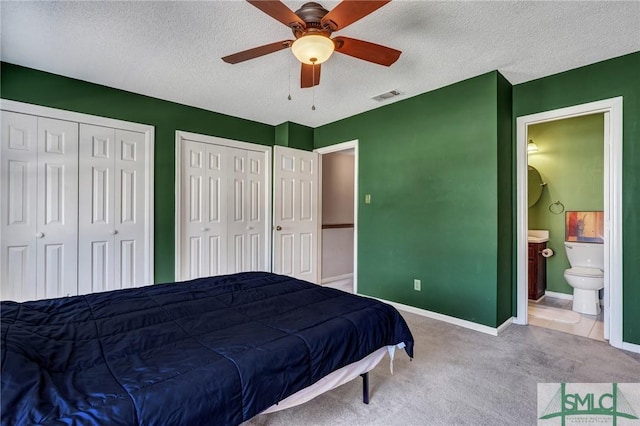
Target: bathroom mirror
(534, 190)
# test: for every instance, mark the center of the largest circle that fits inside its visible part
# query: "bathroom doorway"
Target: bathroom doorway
(339, 207)
(612, 297)
(566, 172)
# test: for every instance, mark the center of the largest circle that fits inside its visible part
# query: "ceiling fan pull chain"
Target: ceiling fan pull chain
(289, 97)
(313, 87)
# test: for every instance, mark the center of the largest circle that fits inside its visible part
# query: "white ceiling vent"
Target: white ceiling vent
(387, 95)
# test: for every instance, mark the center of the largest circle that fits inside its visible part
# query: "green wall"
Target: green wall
(603, 80)
(570, 159)
(505, 204)
(294, 135)
(440, 168)
(430, 164)
(41, 88)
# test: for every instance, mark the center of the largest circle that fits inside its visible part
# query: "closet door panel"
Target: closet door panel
(246, 224)
(193, 164)
(96, 225)
(203, 210)
(129, 230)
(216, 214)
(237, 207)
(18, 228)
(57, 249)
(256, 217)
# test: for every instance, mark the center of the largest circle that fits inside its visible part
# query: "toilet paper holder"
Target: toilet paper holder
(546, 252)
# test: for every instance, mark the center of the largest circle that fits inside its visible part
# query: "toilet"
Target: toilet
(586, 275)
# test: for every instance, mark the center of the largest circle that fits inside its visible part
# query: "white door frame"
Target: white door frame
(214, 140)
(612, 109)
(337, 148)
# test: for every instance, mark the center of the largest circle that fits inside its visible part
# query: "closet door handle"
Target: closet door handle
(204, 229)
(114, 232)
(278, 228)
(39, 234)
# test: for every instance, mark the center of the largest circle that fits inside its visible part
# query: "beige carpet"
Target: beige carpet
(554, 314)
(463, 377)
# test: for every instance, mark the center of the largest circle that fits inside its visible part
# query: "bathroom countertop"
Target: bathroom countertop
(531, 239)
(537, 235)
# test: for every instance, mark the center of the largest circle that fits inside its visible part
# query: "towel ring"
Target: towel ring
(556, 210)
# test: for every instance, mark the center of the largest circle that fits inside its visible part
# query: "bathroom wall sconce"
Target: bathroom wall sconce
(531, 146)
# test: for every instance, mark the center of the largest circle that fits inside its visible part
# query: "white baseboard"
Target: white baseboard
(504, 325)
(563, 296)
(336, 278)
(558, 295)
(449, 319)
(631, 347)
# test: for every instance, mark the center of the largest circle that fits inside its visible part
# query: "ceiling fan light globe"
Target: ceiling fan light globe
(313, 49)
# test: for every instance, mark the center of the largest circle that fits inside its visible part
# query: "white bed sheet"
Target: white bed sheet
(335, 379)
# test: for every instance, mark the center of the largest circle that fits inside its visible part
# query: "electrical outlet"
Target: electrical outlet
(367, 199)
(417, 285)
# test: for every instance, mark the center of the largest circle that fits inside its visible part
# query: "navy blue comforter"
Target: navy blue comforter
(209, 351)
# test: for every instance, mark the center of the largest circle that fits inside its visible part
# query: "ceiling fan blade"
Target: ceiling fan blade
(309, 75)
(279, 11)
(349, 11)
(366, 51)
(257, 52)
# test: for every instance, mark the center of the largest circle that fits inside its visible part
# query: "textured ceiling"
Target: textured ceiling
(172, 50)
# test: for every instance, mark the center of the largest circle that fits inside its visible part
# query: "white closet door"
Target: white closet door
(19, 157)
(96, 226)
(40, 209)
(204, 215)
(76, 203)
(223, 212)
(246, 223)
(57, 243)
(129, 215)
(237, 243)
(296, 223)
(112, 250)
(256, 211)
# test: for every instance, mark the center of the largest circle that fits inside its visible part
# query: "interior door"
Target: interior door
(296, 210)
(223, 216)
(39, 207)
(247, 174)
(130, 251)
(112, 250)
(57, 242)
(204, 213)
(19, 162)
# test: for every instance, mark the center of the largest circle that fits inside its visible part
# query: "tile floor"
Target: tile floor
(344, 285)
(591, 326)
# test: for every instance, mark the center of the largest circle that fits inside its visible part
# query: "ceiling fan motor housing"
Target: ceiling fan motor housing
(311, 13)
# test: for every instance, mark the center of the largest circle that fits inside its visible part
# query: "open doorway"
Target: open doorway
(612, 298)
(338, 238)
(565, 222)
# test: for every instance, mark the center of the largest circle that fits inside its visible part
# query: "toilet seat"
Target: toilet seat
(585, 272)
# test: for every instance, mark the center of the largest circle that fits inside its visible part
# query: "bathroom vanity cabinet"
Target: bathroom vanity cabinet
(537, 271)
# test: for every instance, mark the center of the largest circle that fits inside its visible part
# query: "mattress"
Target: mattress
(215, 350)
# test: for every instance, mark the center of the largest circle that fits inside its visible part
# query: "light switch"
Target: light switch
(367, 199)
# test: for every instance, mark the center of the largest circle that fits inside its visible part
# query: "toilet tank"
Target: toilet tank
(585, 255)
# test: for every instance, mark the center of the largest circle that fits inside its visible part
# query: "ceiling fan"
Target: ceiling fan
(312, 25)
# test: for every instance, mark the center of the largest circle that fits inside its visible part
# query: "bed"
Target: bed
(216, 350)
